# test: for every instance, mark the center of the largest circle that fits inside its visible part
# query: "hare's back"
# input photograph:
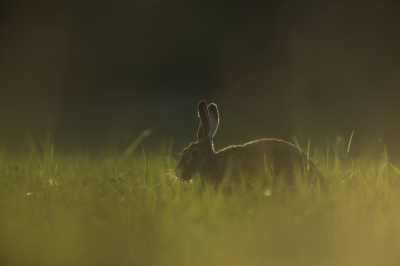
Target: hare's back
(277, 153)
(275, 147)
(280, 157)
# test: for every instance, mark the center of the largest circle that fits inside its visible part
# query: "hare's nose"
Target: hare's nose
(178, 172)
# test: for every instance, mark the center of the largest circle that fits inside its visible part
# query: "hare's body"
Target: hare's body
(262, 157)
(275, 156)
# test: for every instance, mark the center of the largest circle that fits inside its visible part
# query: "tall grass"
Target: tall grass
(82, 209)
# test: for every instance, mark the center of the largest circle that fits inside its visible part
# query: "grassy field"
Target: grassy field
(108, 209)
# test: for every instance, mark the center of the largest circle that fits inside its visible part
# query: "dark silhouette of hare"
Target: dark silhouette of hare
(272, 157)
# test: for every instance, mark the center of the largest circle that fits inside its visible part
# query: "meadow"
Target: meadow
(128, 208)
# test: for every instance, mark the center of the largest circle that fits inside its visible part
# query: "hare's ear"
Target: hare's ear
(213, 117)
(204, 131)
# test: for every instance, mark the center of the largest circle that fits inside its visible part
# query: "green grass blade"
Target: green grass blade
(397, 170)
(351, 137)
(308, 153)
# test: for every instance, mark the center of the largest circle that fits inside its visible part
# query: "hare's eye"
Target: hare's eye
(195, 153)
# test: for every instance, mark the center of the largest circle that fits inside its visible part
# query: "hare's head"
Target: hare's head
(198, 156)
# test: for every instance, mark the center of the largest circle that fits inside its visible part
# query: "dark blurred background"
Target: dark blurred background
(101, 72)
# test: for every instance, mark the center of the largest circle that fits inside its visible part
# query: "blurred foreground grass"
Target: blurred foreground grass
(82, 209)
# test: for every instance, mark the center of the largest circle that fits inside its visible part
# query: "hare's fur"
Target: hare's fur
(261, 157)
(275, 156)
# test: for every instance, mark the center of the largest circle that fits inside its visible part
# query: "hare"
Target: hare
(252, 159)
